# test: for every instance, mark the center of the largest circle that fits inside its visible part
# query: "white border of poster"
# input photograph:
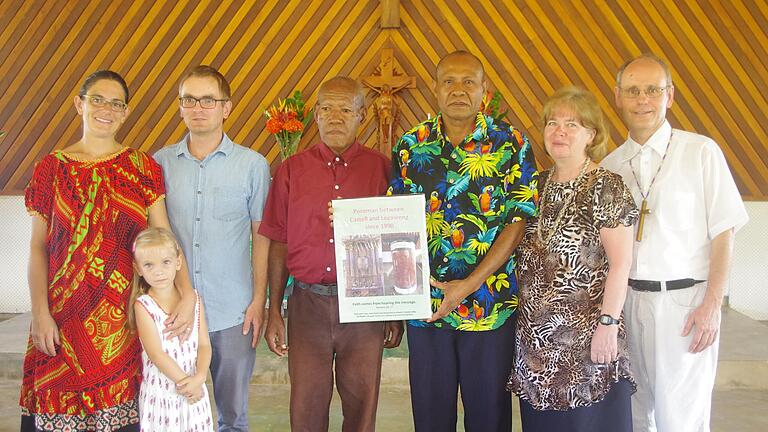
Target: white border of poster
(381, 258)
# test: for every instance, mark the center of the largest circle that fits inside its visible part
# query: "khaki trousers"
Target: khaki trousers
(674, 387)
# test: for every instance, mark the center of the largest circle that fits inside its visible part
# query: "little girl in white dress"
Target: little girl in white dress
(173, 395)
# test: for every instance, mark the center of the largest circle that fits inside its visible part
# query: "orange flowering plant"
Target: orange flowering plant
(287, 121)
(491, 105)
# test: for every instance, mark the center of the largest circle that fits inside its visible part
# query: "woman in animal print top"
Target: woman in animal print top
(571, 369)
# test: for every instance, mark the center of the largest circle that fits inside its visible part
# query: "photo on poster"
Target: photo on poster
(382, 264)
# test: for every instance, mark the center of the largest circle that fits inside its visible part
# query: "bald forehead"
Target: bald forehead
(463, 58)
(644, 66)
(644, 69)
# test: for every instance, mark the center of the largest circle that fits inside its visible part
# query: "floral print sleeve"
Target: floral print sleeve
(473, 191)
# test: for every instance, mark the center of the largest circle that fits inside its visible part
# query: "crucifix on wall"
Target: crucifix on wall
(386, 81)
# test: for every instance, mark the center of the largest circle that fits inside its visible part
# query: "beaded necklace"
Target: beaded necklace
(545, 238)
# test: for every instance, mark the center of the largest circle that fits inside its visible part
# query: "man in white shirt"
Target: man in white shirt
(682, 254)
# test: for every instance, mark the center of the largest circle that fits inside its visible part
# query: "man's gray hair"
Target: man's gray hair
(345, 83)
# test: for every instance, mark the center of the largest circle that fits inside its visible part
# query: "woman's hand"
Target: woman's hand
(45, 333)
(179, 322)
(604, 347)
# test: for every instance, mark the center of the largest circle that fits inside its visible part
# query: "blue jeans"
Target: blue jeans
(231, 369)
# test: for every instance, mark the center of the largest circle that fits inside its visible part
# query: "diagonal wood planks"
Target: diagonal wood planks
(718, 52)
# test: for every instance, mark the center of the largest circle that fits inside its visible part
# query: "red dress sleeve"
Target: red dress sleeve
(38, 195)
(152, 181)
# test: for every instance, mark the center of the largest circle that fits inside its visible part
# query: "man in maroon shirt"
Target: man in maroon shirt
(296, 220)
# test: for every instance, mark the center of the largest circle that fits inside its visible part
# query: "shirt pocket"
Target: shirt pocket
(229, 203)
(676, 210)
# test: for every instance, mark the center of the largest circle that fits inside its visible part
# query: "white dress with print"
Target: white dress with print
(161, 408)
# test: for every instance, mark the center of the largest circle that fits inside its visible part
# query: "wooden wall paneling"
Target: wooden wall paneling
(333, 47)
(43, 71)
(699, 94)
(155, 92)
(492, 48)
(721, 94)
(718, 53)
(14, 75)
(46, 132)
(255, 71)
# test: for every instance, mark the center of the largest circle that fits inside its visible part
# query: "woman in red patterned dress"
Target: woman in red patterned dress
(89, 201)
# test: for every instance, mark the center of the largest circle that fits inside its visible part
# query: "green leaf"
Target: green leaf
(472, 218)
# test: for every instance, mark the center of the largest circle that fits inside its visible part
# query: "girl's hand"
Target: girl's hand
(191, 387)
(195, 396)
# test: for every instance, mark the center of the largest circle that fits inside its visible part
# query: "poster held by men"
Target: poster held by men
(381, 257)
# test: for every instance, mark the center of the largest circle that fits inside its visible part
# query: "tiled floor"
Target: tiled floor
(733, 410)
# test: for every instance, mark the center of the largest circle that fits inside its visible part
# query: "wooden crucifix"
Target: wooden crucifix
(386, 81)
(644, 210)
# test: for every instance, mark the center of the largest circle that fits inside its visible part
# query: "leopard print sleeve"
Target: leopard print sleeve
(612, 203)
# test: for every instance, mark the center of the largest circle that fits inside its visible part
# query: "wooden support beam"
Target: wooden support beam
(390, 13)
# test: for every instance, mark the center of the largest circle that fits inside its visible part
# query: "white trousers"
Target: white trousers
(674, 387)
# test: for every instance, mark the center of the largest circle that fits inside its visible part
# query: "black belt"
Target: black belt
(655, 286)
(319, 289)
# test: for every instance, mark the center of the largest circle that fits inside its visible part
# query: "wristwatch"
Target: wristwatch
(606, 319)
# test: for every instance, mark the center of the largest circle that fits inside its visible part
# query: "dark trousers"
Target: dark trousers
(317, 339)
(442, 361)
(612, 414)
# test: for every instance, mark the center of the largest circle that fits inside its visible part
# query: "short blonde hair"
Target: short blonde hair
(588, 112)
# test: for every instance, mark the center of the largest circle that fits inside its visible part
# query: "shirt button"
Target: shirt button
(337, 159)
(327, 269)
(201, 165)
(199, 192)
(197, 244)
(336, 187)
(453, 156)
(329, 164)
(330, 241)
(445, 259)
(450, 180)
(197, 271)
(345, 164)
(197, 219)
(448, 205)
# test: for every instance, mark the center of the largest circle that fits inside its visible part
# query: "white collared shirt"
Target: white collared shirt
(692, 200)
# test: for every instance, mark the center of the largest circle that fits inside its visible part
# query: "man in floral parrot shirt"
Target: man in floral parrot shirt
(479, 178)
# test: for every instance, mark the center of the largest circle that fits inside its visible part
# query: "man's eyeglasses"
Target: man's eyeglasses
(100, 102)
(651, 92)
(205, 102)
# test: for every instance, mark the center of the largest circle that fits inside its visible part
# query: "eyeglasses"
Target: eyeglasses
(205, 102)
(650, 92)
(100, 102)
